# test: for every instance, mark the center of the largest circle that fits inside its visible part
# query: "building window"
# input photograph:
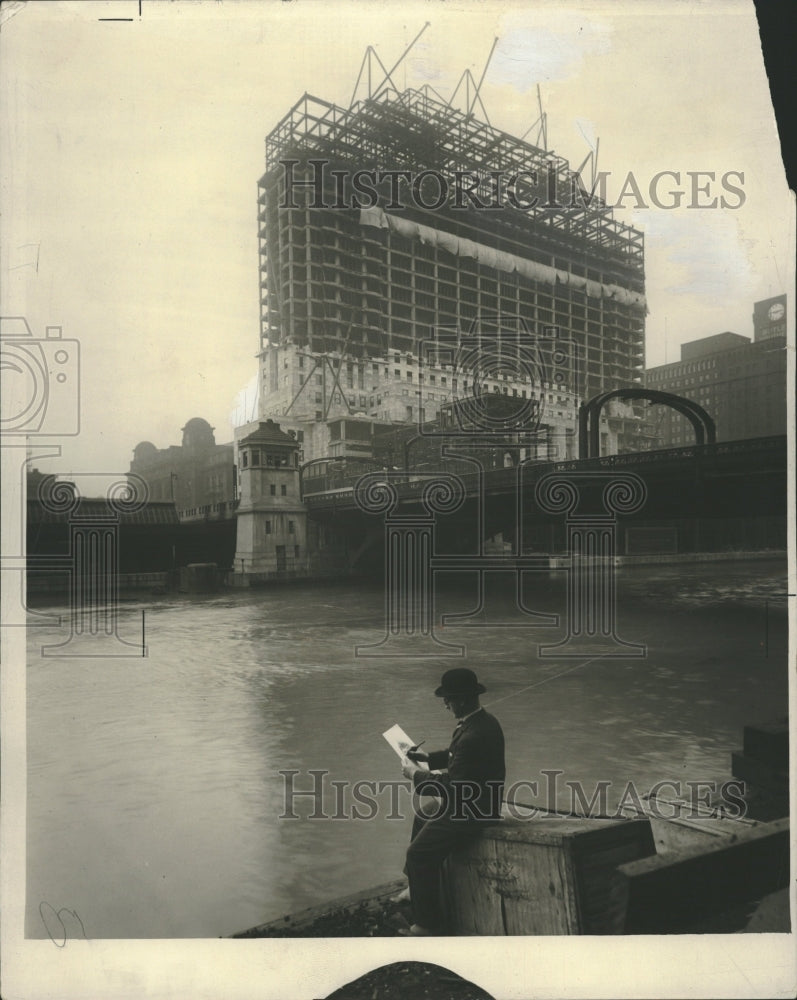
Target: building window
(318, 380)
(290, 527)
(273, 490)
(255, 456)
(301, 361)
(319, 415)
(246, 459)
(300, 437)
(284, 490)
(296, 552)
(409, 413)
(268, 527)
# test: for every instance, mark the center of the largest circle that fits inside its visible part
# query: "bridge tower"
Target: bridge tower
(271, 539)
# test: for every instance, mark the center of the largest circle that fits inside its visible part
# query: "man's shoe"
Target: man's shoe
(402, 897)
(417, 931)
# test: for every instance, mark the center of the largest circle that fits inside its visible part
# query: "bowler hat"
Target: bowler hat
(459, 681)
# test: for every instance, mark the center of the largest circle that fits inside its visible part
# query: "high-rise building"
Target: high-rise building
(402, 222)
(739, 382)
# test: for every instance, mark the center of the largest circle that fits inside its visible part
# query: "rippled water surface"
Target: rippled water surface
(154, 784)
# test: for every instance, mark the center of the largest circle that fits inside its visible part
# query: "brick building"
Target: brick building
(198, 475)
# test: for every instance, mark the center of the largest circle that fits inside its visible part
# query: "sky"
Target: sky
(131, 152)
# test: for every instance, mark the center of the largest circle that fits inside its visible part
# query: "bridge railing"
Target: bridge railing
(330, 477)
(333, 475)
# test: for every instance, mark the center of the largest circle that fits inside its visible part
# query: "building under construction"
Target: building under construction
(402, 225)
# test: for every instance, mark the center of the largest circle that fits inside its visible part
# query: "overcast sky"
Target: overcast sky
(131, 152)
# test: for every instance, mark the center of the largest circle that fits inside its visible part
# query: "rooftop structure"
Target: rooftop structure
(712, 345)
(401, 222)
(769, 318)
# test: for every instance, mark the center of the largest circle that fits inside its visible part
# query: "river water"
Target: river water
(154, 784)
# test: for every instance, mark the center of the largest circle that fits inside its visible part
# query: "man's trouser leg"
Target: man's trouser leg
(435, 840)
(425, 807)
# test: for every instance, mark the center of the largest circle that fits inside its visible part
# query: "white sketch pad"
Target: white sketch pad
(401, 743)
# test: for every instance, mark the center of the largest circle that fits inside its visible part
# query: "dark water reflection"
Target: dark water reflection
(154, 785)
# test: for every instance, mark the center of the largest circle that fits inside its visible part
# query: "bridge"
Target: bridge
(704, 497)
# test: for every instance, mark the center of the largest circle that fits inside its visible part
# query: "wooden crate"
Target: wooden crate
(543, 876)
(670, 893)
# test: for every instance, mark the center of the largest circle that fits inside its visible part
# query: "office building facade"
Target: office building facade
(739, 382)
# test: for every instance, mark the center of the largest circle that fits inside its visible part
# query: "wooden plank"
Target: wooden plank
(474, 902)
(542, 876)
(554, 831)
(543, 899)
(497, 887)
(663, 893)
(596, 859)
(673, 836)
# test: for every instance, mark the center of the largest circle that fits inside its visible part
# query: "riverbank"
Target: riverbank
(586, 876)
(146, 769)
(41, 586)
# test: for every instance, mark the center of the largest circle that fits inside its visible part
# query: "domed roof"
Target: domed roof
(198, 433)
(198, 423)
(145, 451)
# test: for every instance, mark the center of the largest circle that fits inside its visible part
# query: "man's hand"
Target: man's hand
(409, 770)
(418, 755)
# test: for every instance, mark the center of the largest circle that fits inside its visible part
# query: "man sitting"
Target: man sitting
(468, 794)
